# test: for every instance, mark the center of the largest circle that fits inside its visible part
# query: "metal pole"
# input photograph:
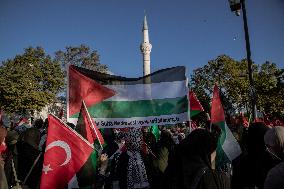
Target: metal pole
(252, 90)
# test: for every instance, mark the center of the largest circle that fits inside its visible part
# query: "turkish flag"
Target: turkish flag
(66, 152)
(84, 88)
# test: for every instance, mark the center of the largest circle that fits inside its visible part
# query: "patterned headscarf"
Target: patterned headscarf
(136, 172)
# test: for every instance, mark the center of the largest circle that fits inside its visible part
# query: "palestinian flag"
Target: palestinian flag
(88, 130)
(228, 147)
(118, 102)
(195, 106)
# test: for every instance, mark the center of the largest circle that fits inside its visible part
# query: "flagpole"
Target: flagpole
(32, 167)
(150, 150)
(92, 124)
(189, 118)
(208, 119)
(67, 94)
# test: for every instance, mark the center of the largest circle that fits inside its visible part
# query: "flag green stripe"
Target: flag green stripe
(194, 112)
(223, 136)
(141, 108)
(87, 174)
(221, 157)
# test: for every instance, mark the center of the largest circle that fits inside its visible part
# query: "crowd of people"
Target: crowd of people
(134, 158)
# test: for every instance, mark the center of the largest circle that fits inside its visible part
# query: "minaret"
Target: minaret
(145, 48)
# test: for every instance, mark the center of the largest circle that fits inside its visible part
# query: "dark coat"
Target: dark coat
(26, 157)
(251, 168)
(190, 164)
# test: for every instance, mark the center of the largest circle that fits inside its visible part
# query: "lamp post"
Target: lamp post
(236, 6)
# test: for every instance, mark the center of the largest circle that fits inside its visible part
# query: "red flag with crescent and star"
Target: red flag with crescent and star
(66, 152)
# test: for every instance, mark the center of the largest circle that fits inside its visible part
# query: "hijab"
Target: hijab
(136, 171)
(196, 151)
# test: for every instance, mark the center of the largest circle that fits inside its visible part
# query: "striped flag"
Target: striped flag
(87, 128)
(118, 102)
(228, 147)
(195, 105)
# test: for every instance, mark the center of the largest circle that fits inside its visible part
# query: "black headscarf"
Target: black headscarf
(255, 142)
(196, 152)
(198, 146)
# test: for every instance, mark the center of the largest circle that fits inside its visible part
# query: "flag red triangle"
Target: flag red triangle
(66, 152)
(84, 88)
(217, 111)
(194, 102)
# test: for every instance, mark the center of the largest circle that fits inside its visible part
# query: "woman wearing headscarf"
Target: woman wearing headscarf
(29, 157)
(11, 154)
(274, 141)
(131, 165)
(191, 168)
(165, 146)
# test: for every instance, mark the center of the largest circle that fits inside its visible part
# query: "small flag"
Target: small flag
(155, 130)
(195, 106)
(87, 128)
(228, 147)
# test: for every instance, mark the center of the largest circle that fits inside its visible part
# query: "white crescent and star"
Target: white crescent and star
(62, 145)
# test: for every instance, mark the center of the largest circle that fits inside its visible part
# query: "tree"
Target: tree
(232, 79)
(223, 70)
(270, 89)
(80, 56)
(29, 81)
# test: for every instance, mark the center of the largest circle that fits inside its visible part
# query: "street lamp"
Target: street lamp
(236, 6)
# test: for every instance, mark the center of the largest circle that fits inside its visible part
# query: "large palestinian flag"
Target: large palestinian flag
(117, 102)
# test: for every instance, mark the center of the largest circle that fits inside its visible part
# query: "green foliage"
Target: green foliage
(80, 56)
(232, 79)
(270, 89)
(29, 81)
